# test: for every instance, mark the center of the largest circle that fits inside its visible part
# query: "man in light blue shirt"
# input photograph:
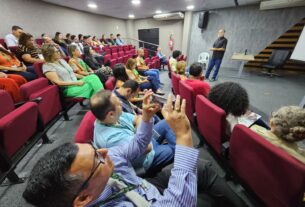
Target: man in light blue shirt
(118, 40)
(114, 127)
(79, 175)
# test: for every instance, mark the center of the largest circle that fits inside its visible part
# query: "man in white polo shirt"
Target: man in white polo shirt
(11, 40)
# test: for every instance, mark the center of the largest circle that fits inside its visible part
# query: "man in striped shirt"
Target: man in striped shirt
(79, 175)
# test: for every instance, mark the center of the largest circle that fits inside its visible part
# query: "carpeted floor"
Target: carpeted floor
(266, 95)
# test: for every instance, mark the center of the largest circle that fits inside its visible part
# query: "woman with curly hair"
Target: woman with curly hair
(287, 131)
(234, 100)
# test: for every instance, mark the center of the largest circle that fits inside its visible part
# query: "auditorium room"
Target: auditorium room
(138, 103)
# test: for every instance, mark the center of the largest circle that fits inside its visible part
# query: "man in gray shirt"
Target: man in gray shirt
(219, 48)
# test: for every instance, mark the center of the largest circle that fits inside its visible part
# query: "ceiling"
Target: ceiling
(122, 8)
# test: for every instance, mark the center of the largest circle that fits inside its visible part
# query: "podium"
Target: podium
(243, 59)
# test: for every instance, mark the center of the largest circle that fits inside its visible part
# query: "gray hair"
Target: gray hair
(289, 123)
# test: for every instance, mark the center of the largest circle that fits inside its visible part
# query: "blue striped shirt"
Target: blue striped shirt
(182, 186)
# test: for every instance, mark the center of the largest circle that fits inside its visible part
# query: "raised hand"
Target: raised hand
(149, 109)
(176, 118)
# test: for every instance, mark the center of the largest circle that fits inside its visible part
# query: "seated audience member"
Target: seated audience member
(79, 45)
(96, 42)
(80, 175)
(103, 40)
(11, 40)
(149, 82)
(119, 41)
(87, 42)
(80, 67)
(80, 38)
(233, 99)
(60, 73)
(27, 51)
(111, 40)
(196, 82)
(143, 68)
(180, 70)
(10, 64)
(68, 39)
(92, 63)
(59, 39)
(162, 57)
(120, 75)
(127, 94)
(287, 130)
(127, 91)
(174, 60)
(48, 40)
(115, 128)
(11, 83)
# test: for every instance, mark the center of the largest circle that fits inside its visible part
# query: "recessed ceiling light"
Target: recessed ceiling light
(136, 2)
(190, 7)
(131, 16)
(92, 5)
(158, 12)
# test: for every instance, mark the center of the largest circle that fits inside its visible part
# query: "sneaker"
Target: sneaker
(212, 80)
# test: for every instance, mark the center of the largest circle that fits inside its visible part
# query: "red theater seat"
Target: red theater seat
(13, 49)
(187, 93)
(17, 126)
(38, 69)
(271, 173)
(2, 42)
(110, 83)
(50, 105)
(39, 41)
(85, 130)
(112, 61)
(211, 121)
(175, 83)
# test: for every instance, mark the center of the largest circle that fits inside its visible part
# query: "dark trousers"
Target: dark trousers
(213, 190)
(29, 74)
(213, 62)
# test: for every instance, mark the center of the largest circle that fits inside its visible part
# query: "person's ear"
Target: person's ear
(82, 200)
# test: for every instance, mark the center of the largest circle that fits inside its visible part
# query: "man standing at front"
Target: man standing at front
(219, 48)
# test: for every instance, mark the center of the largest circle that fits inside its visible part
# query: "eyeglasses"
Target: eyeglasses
(101, 160)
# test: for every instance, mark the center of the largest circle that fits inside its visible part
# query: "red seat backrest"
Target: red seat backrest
(175, 83)
(13, 49)
(121, 54)
(6, 103)
(107, 57)
(114, 55)
(277, 178)
(187, 93)
(110, 83)
(38, 69)
(84, 133)
(2, 42)
(39, 41)
(211, 121)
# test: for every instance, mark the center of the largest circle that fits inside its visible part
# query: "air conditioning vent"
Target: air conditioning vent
(169, 16)
(278, 4)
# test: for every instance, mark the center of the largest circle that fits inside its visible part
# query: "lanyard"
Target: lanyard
(118, 194)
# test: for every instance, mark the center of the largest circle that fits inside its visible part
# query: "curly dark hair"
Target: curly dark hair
(231, 97)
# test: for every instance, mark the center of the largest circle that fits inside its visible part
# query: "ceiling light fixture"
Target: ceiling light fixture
(131, 16)
(92, 5)
(136, 2)
(158, 12)
(190, 7)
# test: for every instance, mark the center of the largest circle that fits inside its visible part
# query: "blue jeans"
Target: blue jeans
(29, 74)
(164, 153)
(213, 62)
(153, 73)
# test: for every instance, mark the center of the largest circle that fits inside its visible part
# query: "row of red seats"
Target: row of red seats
(21, 127)
(276, 178)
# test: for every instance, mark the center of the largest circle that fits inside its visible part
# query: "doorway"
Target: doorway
(151, 36)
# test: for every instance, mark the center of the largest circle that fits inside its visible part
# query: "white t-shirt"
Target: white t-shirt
(11, 40)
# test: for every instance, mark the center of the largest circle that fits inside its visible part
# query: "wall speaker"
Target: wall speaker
(203, 20)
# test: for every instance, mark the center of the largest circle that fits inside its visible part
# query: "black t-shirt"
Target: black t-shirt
(221, 42)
